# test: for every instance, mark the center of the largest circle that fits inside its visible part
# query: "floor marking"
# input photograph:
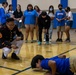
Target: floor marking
(9, 68)
(21, 71)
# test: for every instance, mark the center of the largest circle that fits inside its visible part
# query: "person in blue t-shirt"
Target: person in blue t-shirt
(60, 18)
(56, 65)
(3, 14)
(30, 20)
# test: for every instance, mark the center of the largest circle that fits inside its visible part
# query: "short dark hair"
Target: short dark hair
(4, 3)
(68, 8)
(28, 6)
(35, 60)
(9, 20)
(60, 5)
(43, 13)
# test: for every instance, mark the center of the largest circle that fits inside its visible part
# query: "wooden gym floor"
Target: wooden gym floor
(28, 50)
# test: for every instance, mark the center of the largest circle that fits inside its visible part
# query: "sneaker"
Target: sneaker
(47, 43)
(50, 40)
(26, 41)
(67, 40)
(58, 40)
(14, 56)
(3, 57)
(44, 40)
(39, 43)
(32, 41)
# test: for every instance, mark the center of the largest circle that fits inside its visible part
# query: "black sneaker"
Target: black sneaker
(3, 57)
(57, 40)
(14, 56)
(60, 40)
(67, 40)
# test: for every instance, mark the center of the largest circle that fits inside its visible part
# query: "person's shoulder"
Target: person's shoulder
(70, 12)
(3, 28)
(25, 11)
(57, 11)
(34, 10)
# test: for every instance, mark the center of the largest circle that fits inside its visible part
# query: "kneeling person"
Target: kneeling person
(10, 38)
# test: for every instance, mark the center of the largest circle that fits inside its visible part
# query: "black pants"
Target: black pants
(40, 34)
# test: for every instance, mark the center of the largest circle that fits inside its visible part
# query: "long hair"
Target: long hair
(51, 6)
(10, 6)
(37, 8)
(20, 7)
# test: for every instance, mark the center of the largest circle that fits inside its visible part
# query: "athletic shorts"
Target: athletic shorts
(69, 23)
(60, 28)
(73, 63)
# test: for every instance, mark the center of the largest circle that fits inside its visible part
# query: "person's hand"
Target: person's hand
(18, 38)
(14, 46)
(59, 20)
(18, 19)
(62, 56)
(44, 31)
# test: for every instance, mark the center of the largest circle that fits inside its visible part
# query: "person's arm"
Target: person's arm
(52, 65)
(64, 16)
(19, 34)
(69, 16)
(3, 14)
(62, 56)
(36, 15)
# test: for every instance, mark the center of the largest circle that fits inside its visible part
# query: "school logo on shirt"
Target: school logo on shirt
(0, 35)
(45, 20)
(60, 14)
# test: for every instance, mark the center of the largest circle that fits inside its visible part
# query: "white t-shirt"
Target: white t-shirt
(69, 14)
(51, 15)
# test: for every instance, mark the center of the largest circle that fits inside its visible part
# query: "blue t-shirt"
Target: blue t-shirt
(30, 17)
(60, 15)
(3, 16)
(62, 64)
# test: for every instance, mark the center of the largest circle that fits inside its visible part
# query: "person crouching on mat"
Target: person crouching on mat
(57, 64)
(43, 24)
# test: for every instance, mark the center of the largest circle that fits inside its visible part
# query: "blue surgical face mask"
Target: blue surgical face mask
(51, 9)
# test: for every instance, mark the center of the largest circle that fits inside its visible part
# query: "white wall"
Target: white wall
(72, 3)
(43, 4)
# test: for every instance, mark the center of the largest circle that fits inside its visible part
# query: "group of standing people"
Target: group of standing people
(34, 18)
(11, 21)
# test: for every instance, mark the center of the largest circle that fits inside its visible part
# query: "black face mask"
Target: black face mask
(60, 8)
(66, 10)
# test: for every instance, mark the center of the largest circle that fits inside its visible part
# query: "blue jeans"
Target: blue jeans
(50, 30)
(19, 24)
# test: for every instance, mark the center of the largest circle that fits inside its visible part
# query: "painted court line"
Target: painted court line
(21, 71)
(30, 67)
(9, 68)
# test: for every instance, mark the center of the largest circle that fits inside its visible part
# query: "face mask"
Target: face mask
(51, 9)
(66, 10)
(60, 8)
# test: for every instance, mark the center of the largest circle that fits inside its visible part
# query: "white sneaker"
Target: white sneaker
(50, 40)
(44, 40)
